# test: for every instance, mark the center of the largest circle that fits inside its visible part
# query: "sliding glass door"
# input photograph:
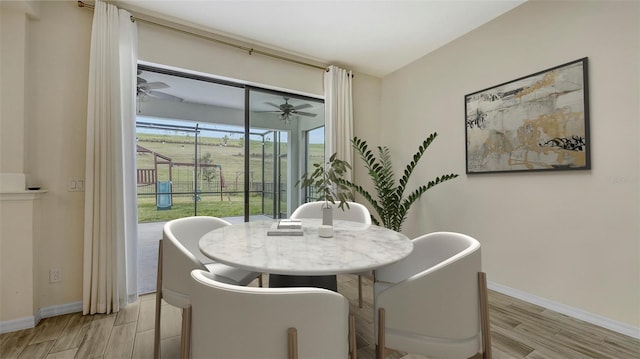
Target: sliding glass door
(207, 147)
(283, 121)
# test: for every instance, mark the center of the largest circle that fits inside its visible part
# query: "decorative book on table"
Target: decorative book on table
(286, 227)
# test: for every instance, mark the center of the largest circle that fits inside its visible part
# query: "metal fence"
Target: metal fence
(213, 187)
(208, 187)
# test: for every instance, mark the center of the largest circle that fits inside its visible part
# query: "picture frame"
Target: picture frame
(538, 122)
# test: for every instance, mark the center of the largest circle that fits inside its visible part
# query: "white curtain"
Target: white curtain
(110, 218)
(338, 105)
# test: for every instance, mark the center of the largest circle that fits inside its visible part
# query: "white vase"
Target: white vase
(327, 216)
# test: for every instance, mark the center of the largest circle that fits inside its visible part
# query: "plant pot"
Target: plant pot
(327, 216)
(325, 231)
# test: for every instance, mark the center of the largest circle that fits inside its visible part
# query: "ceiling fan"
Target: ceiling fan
(287, 110)
(146, 89)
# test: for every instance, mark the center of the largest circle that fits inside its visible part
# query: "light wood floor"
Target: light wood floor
(518, 330)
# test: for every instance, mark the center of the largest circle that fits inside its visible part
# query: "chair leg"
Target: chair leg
(353, 349)
(185, 337)
(260, 280)
(380, 348)
(156, 334)
(292, 343)
(360, 291)
(484, 315)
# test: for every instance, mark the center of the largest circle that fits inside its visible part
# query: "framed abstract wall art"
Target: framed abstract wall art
(538, 122)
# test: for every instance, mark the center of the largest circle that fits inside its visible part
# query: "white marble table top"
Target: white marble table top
(354, 247)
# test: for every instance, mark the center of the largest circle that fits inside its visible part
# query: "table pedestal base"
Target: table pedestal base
(282, 281)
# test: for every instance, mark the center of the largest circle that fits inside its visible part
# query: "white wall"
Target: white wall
(366, 117)
(56, 106)
(568, 237)
(13, 34)
(164, 46)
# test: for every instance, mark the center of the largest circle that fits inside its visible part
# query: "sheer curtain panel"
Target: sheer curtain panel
(339, 111)
(110, 218)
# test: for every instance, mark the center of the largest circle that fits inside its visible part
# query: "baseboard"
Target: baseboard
(583, 315)
(31, 321)
(61, 309)
(14, 325)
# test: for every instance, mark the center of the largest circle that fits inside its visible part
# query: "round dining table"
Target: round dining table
(306, 259)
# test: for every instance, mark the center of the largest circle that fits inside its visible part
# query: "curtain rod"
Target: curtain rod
(250, 50)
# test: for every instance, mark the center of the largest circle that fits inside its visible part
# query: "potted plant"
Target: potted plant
(391, 204)
(327, 180)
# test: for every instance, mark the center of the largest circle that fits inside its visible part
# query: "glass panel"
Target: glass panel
(190, 134)
(280, 123)
(282, 177)
(261, 144)
(314, 154)
(162, 185)
(220, 171)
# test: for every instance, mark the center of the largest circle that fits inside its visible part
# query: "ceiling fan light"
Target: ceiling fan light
(285, 117)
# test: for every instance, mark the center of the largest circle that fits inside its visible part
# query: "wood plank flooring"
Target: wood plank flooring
(518, 330)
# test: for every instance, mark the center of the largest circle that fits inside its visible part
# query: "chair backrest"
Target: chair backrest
(431, 298)
(356, 212)
(181, 254)
(248, 322)
(428, 251)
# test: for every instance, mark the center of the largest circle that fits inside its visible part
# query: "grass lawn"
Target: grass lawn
(180, 149)
(183, 206)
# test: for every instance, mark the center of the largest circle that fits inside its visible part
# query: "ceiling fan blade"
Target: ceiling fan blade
(165, 96)
(300, 107)
(155, 85)
(274, 105)
(305, 113)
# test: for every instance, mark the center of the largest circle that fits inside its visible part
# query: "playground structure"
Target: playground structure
(163, 189)
(266, 152)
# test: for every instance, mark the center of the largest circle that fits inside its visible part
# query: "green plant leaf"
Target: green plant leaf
(390, 203)
(391, 207)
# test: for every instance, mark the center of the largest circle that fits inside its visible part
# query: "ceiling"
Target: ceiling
(372, 37)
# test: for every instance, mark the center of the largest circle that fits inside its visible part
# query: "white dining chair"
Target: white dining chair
(434, 302)
(278, 321)
(356, 212)
(178, 255)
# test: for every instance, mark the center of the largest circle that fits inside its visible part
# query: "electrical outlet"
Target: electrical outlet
(55, 275)
(75, 185)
